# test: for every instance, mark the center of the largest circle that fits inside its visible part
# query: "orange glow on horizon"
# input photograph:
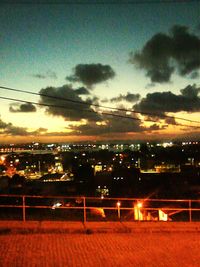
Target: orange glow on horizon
(141, 136)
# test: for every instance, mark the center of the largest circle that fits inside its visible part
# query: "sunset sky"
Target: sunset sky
(142, 56)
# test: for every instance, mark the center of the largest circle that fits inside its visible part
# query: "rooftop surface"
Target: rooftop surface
(96, 227)
(96, 244)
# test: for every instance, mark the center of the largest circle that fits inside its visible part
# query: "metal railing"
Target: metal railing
(81, 208)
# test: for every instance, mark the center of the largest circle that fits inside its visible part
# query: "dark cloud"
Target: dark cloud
(15, 130)
(3, 124)
(191, 92)
(128, 97)
(12, 130)
(163, 54)
(161, 102)
(105, 100)
(93, 100)
(115, 125)
(194, 75)
(156, 127)
(26, 107)
(48, 75)
(150, 85)
(170, 120)
(109, 126)
(82, 91)
(69, 110)
(41, 130)
(91, 74)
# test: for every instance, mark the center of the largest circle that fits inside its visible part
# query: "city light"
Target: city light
(118, 204)
(118, 209)
(139, 205)
(56, 205)
(3, 158)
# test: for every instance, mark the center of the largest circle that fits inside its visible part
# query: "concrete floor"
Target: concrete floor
(140, 249)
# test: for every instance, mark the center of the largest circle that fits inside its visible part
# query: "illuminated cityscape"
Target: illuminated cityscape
(100, 133)
(126, 170)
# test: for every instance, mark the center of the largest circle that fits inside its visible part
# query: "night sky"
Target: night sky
(137, 56)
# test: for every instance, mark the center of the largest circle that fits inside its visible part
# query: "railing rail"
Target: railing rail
(120, 208)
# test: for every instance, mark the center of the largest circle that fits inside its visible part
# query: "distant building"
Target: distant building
(167, 168)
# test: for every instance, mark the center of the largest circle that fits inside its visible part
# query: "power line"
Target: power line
(68, 108)
(91, 111)
(100, 106)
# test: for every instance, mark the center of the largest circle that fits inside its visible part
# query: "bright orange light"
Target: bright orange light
(118, 204)
(3, 158)
(139, 205)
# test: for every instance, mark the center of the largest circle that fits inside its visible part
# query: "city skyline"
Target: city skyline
(143, 57)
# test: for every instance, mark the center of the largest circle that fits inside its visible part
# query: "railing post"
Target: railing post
(84, 210)
(24, 208)
(190, 211)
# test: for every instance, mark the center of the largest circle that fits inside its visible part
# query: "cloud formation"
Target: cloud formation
(75, 109)
(82, 91)
(150, 85)
(156, 127)
(164, 53)
(48, 75)
(162, 102)
(91, 74)
(128, 97)
(41, 130)
(26, 107)
(2, 124)
(12, 130)
(110, 126)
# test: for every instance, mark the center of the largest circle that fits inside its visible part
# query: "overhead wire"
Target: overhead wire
(90, 111)
(68, 108)
(100, 106)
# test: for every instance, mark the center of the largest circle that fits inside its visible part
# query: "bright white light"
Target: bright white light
(56, 205)
(139, 205)
(118, 204)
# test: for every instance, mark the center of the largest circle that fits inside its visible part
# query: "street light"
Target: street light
(139, 205)
(118, 209)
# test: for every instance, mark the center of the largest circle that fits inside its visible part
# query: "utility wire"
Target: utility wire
(100, 106)
(68, 108)
(91, 111)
